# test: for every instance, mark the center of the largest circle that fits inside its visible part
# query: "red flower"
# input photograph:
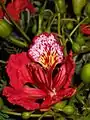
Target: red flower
(32, 82)
(20, 5)
(85, 29)
(1, 12)
(16, 7)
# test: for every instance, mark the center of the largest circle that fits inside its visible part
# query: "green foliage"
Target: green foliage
(3, 116)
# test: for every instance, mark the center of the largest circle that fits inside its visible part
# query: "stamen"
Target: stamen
(48, 59)
(53, 92)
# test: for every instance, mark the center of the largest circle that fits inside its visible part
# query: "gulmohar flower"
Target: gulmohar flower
(1, 12)
(15, 7)
(85, 29)
(41, 77)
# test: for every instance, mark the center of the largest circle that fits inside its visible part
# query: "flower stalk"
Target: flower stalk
(69, 19)
(2, 61)
(78, 26)
(59, 23)
(31, 116)
(11, 113)
(17, 42)
(40, 18)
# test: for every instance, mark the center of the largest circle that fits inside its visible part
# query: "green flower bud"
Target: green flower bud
(75, 47)
(26, 115)
(5, 28)
(68, 109)
(70, 25)
(80, 39)
(87, 9)
(60, 105)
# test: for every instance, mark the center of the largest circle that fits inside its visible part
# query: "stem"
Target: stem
(40, 24)
(39, 115)
(85, 51)
(11, 113)
(77, 26)
(59, 17)
(47, 10)
(19, 114)
(40, 19)
(80, 99)
(71, 102)
(70, 39)
(1, 61)
(60, 36)
(69, 19)
(28, 20)
(17, 42)
(87, 38)
(50, 23)
(43, 115)
(63, 39)
(80, 86)
(59, 23)
(78, 18)
(88, 108)
(17, 26)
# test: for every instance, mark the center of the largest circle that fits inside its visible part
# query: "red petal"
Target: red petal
(61, 94)
(19, 98)
(70, 68)
(1, 13)
(34, 92)
(46, 104)
(17, 60)
(31, 8)
(23, 4)
(64, 76)
(60, 78)
(50, 101)
(49, 76)
(25, 97)
(17, 71)
(65, 93)
(39, 76)
(85, 29)
(13, 12)
(20, 4)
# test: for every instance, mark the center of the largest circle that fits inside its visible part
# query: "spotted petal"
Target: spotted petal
(46, 50)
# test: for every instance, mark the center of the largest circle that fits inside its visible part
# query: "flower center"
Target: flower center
(53, 92)
(48, 59)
